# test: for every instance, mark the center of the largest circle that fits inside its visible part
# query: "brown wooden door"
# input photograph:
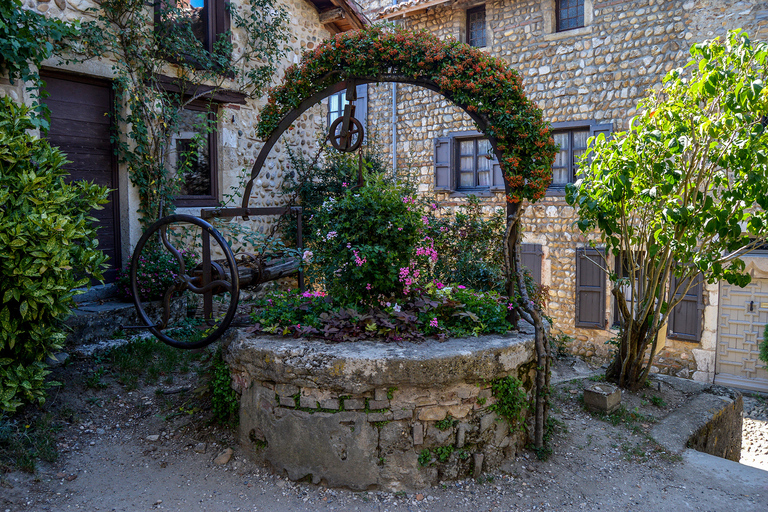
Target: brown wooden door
(81, 126)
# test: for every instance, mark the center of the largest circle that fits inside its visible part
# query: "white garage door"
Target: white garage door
(743, 316)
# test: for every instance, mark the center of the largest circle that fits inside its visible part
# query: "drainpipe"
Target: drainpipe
(394, 129)
(394, 119)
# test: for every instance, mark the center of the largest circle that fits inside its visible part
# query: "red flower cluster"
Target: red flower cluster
(484, 86)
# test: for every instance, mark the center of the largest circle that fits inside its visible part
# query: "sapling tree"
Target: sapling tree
(683, 194)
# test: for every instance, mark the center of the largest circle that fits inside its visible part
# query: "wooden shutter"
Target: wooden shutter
(497, 178)
(361, 107)
(590, 289)
(444, 163)
(685, 319)
(531, 255)
(220, 18)
(597, 129)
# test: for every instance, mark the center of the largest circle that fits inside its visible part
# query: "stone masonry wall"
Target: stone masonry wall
(595, 74)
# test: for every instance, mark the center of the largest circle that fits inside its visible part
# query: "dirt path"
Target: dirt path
(148, 450)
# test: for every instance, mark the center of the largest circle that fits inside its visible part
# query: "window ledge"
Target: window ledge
(457, 194)
(576, 32)
(556, 192)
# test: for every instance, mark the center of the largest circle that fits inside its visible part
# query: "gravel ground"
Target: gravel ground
(152, 450)
(754, 433)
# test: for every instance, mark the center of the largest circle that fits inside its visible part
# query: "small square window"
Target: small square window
(570, 14)
(476, 26)
(193, 156)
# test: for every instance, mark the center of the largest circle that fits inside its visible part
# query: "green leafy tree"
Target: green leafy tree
(681, 195)
(27, 39)
(161, 68)
(47, 247)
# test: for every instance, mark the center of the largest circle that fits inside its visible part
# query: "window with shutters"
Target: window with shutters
(208, 19)
(337, 101)
(476, 26)
(590, 289)
(685, 319)
(571, 138)
(531, 257)
(465, 163)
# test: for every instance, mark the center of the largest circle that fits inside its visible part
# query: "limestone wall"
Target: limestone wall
(594, 74)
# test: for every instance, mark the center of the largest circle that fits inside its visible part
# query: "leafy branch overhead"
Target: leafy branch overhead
(683, 193)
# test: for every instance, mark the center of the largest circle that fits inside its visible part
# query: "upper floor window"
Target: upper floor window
(193, 155)
(336, 103)
(474, 157)
(572, 137)
(465, 162)
(207, 19)
(570, 14)
(476, 26)
(572, 145)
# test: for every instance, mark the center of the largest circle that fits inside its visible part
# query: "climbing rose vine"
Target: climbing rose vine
(483, 86)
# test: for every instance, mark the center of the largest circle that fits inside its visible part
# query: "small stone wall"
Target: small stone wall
(377, 416)
(709, 422)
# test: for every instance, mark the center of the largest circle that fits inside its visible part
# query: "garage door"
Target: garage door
(80, 126)
(743, 316)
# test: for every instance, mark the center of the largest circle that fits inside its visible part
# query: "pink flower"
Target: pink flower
(434, 206)
(461, 287)
(433, 323)
(510, 306)
(439, 285)
(368, 286)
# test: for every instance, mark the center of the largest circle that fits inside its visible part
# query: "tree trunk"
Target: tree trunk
(531, 312)
(627, 368)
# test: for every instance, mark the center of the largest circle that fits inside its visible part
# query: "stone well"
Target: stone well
(368, 415)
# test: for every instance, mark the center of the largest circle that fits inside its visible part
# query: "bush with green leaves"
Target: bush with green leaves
(48, 246)
(439, 313)
(365, 239)
(470, 247)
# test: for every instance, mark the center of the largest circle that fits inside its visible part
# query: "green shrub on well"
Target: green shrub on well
(367, 237)
(47, 247)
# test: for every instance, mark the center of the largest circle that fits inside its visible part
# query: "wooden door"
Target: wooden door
(81, 125)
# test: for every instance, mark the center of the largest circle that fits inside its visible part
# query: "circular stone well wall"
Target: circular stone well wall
(368, 415)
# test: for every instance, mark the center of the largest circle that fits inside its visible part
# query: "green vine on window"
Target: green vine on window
(160, 69)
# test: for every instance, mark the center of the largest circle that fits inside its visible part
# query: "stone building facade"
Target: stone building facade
(587, 74)
(234, 144)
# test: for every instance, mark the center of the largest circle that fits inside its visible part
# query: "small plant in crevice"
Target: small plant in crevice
(425, 457)
(763, 356)
(511, 401)
(446, 423)
(225, 402)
